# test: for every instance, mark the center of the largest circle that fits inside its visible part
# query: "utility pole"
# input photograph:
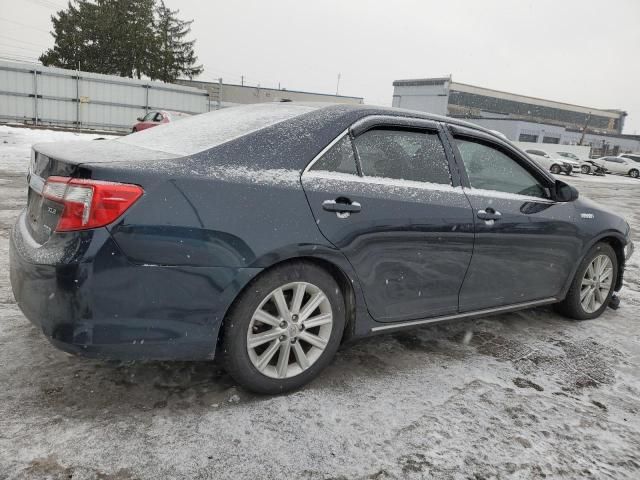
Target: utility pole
(338, 85)
(584, 129)
(242, 80)
(219, 93)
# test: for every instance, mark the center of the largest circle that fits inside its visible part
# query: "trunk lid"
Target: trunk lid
(77, 160)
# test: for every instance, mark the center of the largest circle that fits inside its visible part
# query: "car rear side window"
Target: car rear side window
(403, 155)
(490, 169)
(339, 158)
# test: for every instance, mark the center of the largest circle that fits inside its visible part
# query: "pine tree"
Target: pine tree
(72, 40)
(175, 56)
(130, 38)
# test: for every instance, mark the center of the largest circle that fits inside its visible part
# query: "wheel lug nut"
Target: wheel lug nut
(282, 338)
(283, 324)
(294, 318)
(294, 340)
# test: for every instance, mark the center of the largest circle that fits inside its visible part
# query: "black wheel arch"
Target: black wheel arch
(344, 281)
(617, 241)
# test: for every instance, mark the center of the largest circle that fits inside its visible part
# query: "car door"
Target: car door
(620, 165)
(525, 242)
(383, 194)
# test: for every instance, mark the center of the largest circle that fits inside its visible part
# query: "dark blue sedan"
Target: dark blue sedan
(268, 234)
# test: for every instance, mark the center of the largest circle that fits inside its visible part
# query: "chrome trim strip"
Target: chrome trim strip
(36, 182)
(486, 311)
(506, 196)
(391, 182)
(324, 150)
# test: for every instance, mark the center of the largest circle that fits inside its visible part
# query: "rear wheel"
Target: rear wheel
(555, 169)
(284, 329)
(585, 169)
(592, 287)
(633, 173)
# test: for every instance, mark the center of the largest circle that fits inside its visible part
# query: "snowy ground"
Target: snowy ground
(531, 395)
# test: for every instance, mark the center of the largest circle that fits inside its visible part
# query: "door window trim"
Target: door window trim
(391, 122)
(325, 150)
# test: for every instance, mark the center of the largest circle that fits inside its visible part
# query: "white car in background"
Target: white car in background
(620, 165)
(631, 156)
(555, 165)
(574, 161)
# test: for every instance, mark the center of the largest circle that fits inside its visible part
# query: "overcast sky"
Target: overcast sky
(585, 52)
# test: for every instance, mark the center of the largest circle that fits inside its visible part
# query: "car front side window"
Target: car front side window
(403, 155)
(490, 169)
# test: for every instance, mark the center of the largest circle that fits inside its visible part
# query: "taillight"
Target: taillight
(89, 203)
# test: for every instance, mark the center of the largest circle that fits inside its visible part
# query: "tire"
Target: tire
(254, 368)
(634, 173)
(585, 169)
(572, 306)
(555, 169)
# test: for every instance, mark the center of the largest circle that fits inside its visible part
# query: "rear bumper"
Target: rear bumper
(88, 299)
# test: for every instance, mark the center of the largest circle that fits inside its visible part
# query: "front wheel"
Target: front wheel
(634, 173)
(585, 169)
(593, 285)
(555, 169)
(284, 328)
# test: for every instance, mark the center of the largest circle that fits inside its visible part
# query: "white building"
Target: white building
(518, 117)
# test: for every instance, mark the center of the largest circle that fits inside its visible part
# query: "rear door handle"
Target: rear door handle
(489, 214)
(341, 207)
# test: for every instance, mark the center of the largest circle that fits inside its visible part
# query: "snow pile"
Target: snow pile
(16, 143)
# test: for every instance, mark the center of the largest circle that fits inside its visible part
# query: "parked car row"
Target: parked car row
(568, 163)
(554, 164)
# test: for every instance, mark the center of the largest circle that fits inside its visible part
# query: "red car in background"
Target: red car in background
(157, 117)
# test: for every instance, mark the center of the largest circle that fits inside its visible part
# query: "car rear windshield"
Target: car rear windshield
(207, 130)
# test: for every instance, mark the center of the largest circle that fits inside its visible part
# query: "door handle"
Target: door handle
(489, 214)
(341, 207)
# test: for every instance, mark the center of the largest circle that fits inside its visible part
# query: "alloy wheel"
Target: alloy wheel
(596, 283)
(289, 330)
(585, 169)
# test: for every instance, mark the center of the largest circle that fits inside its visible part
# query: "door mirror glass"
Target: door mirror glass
(566, 192)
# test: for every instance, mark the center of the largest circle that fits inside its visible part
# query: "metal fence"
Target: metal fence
(38, 95)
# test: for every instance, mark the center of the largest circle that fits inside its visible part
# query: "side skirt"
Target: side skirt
(475, 313)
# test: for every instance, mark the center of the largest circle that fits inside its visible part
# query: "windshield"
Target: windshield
(207, 130)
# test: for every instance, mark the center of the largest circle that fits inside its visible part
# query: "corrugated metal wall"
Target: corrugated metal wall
(53, 96)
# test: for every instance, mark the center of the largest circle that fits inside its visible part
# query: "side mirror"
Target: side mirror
(140, 119)
(565, 192)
